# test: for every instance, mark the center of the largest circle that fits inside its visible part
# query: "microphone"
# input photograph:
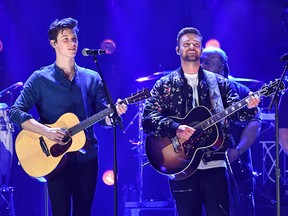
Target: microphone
(92, 52)
(10, 88)
(284, 57)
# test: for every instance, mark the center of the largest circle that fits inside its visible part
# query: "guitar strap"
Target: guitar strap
(215, 96)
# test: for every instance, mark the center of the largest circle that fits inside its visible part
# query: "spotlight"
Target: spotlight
(108, 177)
(108, 45)
(213, 42)
(1, 45)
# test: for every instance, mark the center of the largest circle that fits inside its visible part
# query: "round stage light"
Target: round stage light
(108, 45)
(108, 177)
(213, 42)
(1, 45)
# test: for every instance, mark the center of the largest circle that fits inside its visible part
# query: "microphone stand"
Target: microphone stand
(116, 119)
(275, 100)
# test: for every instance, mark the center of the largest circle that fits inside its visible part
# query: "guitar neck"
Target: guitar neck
(90, 121)
(145, 93)
(223, 114)
(265, 90)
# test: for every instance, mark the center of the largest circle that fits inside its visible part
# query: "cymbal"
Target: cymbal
(244, 80)
(147, 78)
(162, 72)
(154, 76)
(157, 75)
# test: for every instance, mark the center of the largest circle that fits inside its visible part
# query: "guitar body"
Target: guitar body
(30, 153)
(178, 159)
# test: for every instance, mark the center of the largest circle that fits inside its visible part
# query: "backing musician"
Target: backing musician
(239, 154)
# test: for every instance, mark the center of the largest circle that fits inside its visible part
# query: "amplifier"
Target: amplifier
(148, 204)
(150, 208)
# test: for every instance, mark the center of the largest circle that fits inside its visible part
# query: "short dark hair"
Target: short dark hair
(188, 30)
(223, 56)
(60, 25)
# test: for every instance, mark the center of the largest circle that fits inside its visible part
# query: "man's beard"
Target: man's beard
(189, 58)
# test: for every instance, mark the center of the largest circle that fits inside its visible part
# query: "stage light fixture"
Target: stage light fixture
(1, 45)
(213, 42)
(108, 177)
(108, 45)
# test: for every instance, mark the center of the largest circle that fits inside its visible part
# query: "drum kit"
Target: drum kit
(6, 154)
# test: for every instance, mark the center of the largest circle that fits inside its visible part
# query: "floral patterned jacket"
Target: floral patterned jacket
(172, 96)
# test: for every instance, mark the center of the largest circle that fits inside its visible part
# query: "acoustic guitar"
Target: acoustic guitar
(39, 156)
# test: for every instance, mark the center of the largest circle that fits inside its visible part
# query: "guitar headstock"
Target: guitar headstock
(269, 89)
(141, 95)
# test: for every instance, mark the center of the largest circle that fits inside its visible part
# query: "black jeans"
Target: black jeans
(242, 198)
(74, 186)
(207, 188)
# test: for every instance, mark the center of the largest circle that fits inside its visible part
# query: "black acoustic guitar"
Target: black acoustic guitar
(179, 159)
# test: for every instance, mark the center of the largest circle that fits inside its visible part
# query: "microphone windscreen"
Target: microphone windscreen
(84, 52)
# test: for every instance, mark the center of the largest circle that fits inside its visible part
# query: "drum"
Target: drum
(6, 145)
(263, 153)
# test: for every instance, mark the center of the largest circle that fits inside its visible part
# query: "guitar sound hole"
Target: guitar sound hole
(66, 139)
(199, 139)
(205, 136)
(58, 149)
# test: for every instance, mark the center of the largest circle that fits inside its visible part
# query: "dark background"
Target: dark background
(144, 32)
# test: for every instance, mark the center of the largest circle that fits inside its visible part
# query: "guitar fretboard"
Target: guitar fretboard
(145, 93)
(223, 114)
(90, 121)
(264, 91)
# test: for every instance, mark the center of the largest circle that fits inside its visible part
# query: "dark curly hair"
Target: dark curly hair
(60, 25)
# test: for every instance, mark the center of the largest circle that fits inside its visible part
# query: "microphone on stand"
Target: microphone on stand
(93, 52)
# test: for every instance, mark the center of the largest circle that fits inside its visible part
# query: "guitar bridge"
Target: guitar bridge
(44, 146)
